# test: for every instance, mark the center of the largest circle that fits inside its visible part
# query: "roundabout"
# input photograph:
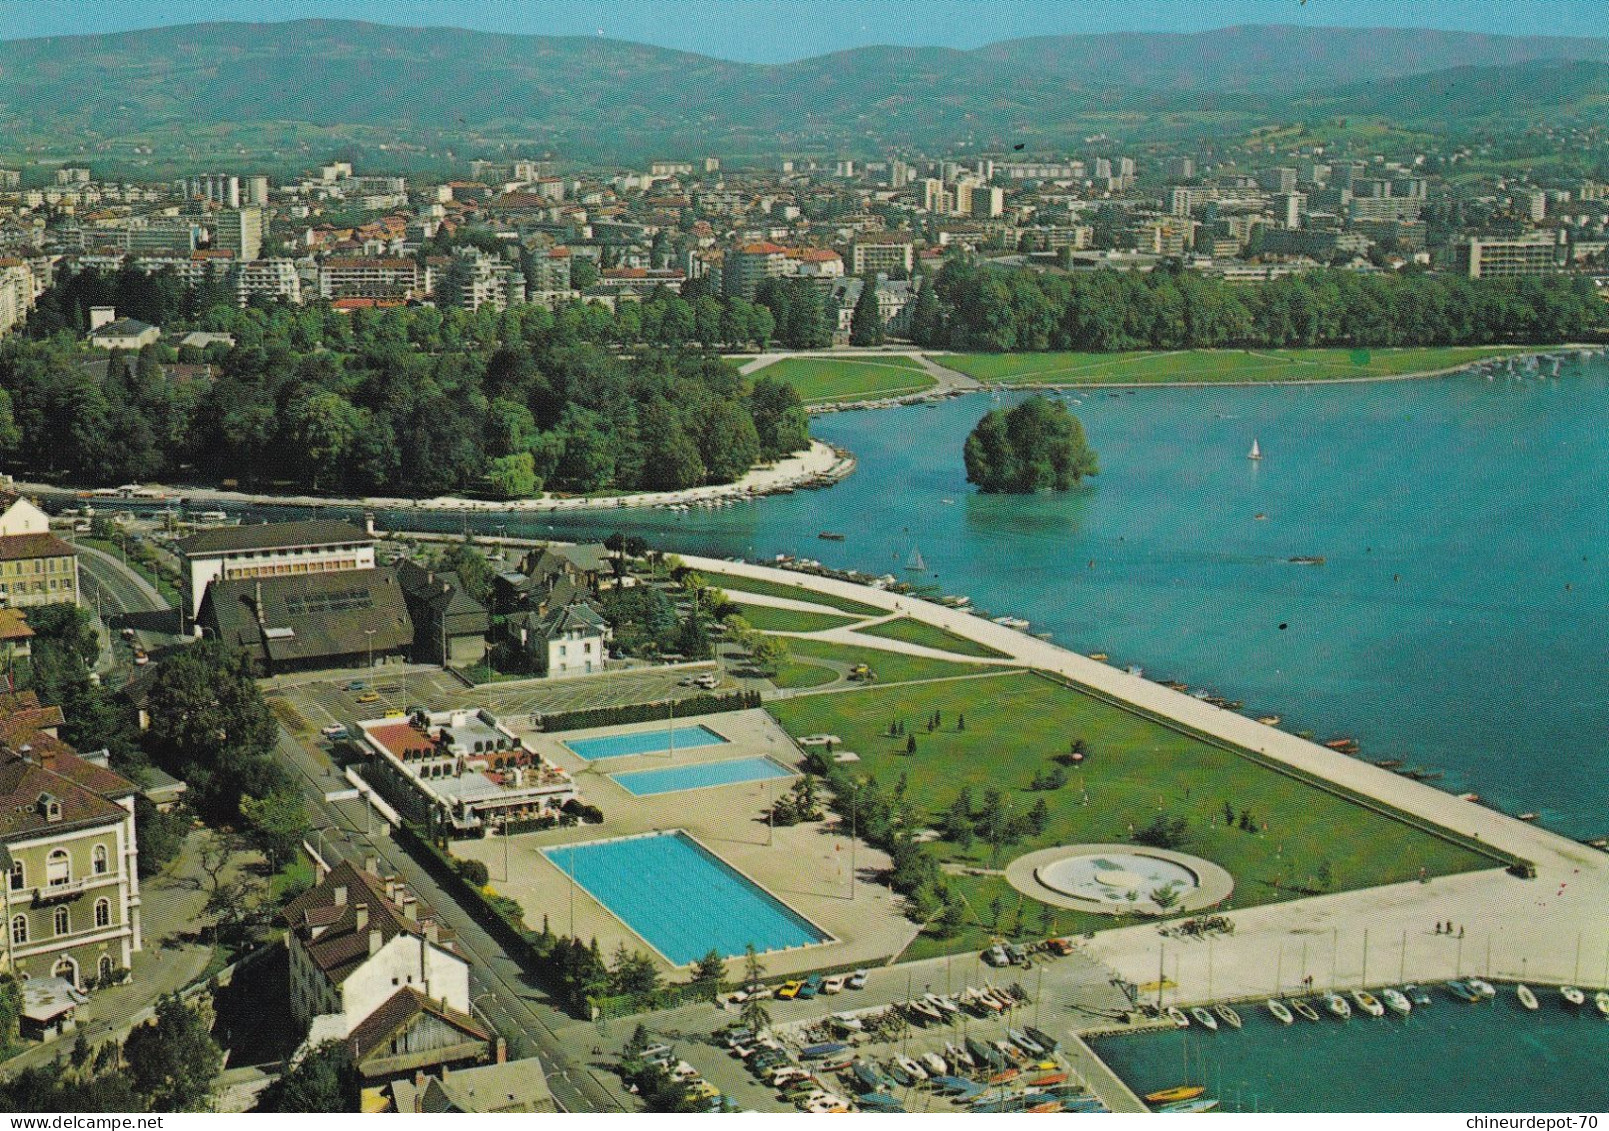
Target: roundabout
(1116, 879)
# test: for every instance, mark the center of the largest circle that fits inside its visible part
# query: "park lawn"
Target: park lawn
(888, 667)
(797, 674)
(1135, 770)
(821, 379)
(930, 636)
(769, 618)
(794, 592)
(1214, 366)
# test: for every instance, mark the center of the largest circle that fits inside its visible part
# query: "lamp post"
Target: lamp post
(368, 644)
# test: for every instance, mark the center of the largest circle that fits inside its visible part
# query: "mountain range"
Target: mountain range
(232, 86)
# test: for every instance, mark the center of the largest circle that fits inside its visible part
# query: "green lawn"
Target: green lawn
(888, 667)
(820, 379)
(769, 618)
(796, 592)
(930, 636)
(1150, 367)
(1135, 770)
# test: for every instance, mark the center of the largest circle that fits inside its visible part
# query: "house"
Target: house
(274, 549)
(370, 966)
(449, 625)
(508, 1087)
(15, 636)
(71, 895)
(340, 619)
(37, 569)
(109, 332)
(568, 639)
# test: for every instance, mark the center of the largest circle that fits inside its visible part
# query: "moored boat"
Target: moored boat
(1189, 1107)
(1230, 1017)
(1462, 991)
(1337, 1005)
(1601, 1000)
(1572, 996)
(1303, 1009)
(1203, 1018)
(1483, 988)
(1527, 998)
(934, 1063)
(1176, 1015)
(1175, 1095)
(1280, 1010)
(1397, 1002)
(1051, 1044)
(1417, 994)
(1368, 1003)
(957, 1055)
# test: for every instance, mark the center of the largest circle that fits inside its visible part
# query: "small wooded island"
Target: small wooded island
(1034, 446)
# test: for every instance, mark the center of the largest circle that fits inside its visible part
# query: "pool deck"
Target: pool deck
(807, 867)
(1552, 928)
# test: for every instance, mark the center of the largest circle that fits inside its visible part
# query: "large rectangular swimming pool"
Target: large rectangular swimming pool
(644, 742)
(700, 775)
(682, 898)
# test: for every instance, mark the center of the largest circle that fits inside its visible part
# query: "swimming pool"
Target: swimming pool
(644, 742)
(682, 898)
(700, 775)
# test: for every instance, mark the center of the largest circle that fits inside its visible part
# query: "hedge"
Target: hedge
(646, 712)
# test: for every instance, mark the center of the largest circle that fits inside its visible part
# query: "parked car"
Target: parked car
(334, 731)
(708, 681)
(357, 685)
(789, 991)
(811, 987)
(833, 985)
(857, 980)
(369, 697)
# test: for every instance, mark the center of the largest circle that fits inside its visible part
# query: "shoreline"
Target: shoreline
(821, 465)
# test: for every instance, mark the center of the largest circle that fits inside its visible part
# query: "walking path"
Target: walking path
(1533, 928)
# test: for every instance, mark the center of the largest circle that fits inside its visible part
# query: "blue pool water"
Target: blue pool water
(641, 783)
(644, 742)
(682, 898)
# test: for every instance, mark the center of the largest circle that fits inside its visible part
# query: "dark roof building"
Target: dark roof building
(271, 536)
(449, 624)
(314, 620)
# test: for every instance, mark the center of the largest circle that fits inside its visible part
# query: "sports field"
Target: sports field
(822, 379)
(1212, 366)
(1299, 840)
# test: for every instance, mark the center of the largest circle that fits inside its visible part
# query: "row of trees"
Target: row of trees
(390, 416)
(977, 307)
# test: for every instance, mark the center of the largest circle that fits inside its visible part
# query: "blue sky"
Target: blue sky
(780, 30)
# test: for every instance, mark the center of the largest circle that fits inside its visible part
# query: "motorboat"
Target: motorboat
(912, 1069)
(1026, 1043)
(1462, 991)
(922, 1011)
(957, 1055)
(896, 1072)
(1203, 1018)
(1230, 1017)
(1280, 1010)
(1483, 988)
(1368, 1003)
(1572, 996)
(1397, 1002)
(1176, 1015)
(944, 1005)
(1601, 1000)
(1303, 1009)
(1337, 1005)
(1175, 1095)
(1527, 998)
(1417, 994)
(934, 1063)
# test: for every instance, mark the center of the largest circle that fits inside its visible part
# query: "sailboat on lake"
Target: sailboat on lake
(1256, 452)
(915, 563)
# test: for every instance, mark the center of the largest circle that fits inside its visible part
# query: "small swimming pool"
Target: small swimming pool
(644, 742)
(700, 775)
(682, 898)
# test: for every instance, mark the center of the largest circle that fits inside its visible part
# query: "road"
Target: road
(500, 991)
(124, 598)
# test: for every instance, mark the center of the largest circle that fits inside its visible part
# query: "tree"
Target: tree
(513, 476)
(172, 1059)
(323, 1080)
(276, 825)
(1036, 445)
(866, 324)
(927, 321)
(710, 970)
(769, 653)
(780, 421)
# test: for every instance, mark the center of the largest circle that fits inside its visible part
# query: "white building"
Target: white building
(275, 549)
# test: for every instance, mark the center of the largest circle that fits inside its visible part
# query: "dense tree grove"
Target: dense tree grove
(977, 307)
(415, 400)
(1030, 447)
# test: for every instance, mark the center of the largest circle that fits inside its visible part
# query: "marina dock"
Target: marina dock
(1101, 1080)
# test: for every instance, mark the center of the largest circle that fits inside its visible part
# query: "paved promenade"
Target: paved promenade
(1553, 928)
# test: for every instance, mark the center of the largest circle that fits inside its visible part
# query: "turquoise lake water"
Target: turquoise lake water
(682, 898)
(1460, 621)
(1494, 1057)
(643, 742)
(700, 775)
